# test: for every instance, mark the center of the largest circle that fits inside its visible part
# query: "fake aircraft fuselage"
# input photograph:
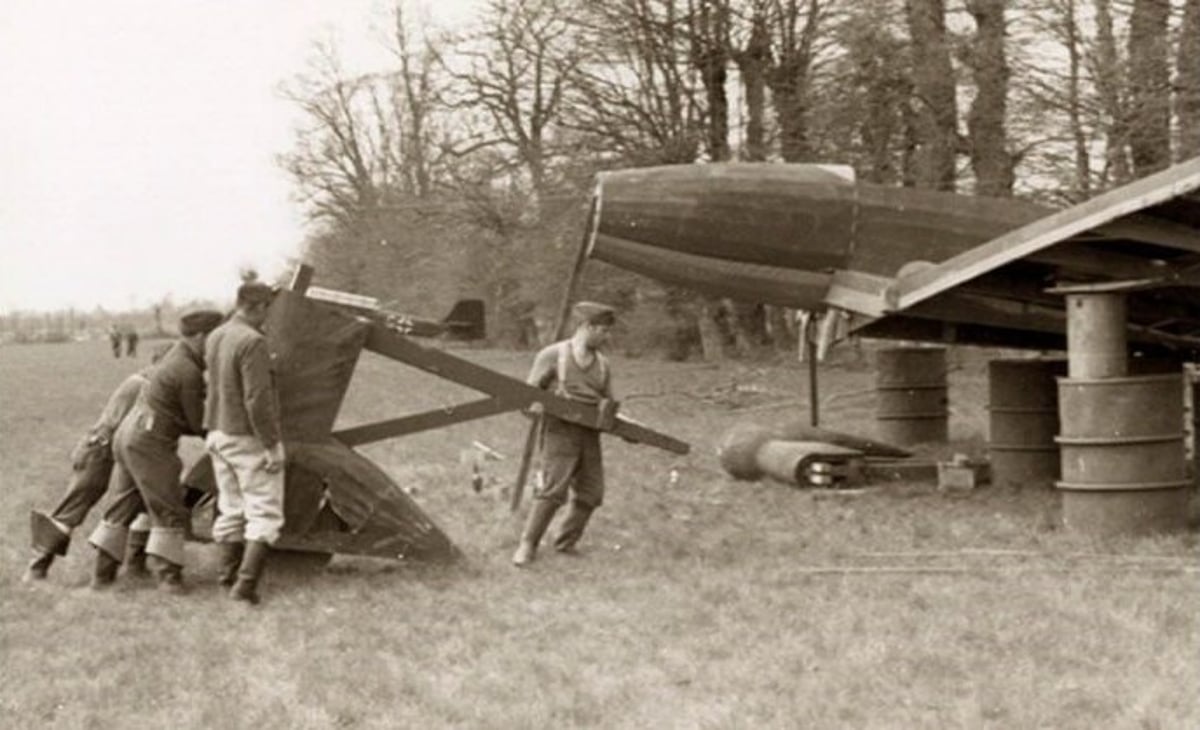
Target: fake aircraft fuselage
(916, 264)
(777, 233)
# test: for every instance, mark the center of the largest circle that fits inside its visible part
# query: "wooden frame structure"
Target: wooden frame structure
(337, 500)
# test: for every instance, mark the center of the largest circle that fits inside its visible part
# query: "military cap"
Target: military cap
(594, 313)
(255, 292)
(199, 321)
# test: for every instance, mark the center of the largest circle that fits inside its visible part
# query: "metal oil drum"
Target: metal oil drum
(1023, 421)
(911, 400)
(1123, 462)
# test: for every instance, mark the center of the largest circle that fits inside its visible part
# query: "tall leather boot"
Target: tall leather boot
(253, 561)
(572, 527)
(104, 572)
(535, 526)
(135, 554)
(229, 559)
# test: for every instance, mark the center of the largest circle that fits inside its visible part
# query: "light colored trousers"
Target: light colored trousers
(249, 499)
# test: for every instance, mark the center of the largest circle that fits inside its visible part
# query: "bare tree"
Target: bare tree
(1187, 69)
(708, 29)
(339, 162)
(1110, 76)
(1149, 87)
(415, 103)
(987, 142)
(935, 95)
(753, 58)
(795, 26)
(516, 70)
(635, 98)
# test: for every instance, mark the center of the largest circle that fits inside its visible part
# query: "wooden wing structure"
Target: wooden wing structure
(336, 500)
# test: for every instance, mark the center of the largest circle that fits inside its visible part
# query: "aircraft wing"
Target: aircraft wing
(1142, 238)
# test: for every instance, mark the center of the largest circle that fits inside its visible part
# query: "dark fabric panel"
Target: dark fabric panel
(314, 349)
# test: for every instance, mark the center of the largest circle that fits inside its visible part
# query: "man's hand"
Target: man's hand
(275, 458)
(535, 409)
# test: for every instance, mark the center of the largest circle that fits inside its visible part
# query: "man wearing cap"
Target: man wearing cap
(171, 405)
(245, 442)
(576, 369)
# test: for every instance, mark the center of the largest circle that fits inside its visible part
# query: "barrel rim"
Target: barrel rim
(1154, 438)
(1123, 486)
(1119, 380)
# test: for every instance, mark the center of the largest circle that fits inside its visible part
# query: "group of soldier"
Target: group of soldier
(215, 382)
(128, 336)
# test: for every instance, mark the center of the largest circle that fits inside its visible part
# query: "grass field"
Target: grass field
(704, 603)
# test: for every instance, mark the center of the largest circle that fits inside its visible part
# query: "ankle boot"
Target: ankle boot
(36, 570)
(535, 526)
(253, 561)
(168, 576)
(104, 573)
(572, 528)
(229, 559)
(135, 554)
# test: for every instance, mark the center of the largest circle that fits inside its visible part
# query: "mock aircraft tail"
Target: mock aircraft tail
(466, 320)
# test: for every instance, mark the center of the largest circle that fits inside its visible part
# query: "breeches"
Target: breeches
(91, 470)
(147, 476)
(249, 499)
(572, 464)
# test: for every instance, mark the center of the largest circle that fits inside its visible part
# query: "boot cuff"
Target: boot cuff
(166, 543)
(110, 539)
(47, 537)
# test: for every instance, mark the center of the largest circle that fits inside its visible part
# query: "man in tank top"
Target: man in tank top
(572, 465)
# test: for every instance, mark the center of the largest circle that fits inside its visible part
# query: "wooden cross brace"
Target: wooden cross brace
(505, 393)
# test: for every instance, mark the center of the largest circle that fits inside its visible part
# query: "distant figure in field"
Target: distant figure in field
(114, 339)
(91, 467)
(576, 369)
(245, 441)
(131, 342)
(148, 465)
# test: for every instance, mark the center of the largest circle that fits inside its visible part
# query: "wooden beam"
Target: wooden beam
(426, 421)
(1100, 261)
(1148, 229)
(447, 366)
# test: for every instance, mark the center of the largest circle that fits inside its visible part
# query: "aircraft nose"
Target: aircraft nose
(766, 233)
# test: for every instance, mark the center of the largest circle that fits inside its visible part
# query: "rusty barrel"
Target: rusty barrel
(1123, 463)
(1023, 421)
(911, 399)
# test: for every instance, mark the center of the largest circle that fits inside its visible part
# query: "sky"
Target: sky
(138, 142)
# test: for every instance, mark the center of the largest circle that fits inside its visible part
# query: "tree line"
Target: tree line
(464, 167)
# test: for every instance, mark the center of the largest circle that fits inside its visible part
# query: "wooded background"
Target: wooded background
(464, 168)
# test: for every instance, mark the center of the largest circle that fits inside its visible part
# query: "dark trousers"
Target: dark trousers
(92, 468)
(146, 475)
(572, 464)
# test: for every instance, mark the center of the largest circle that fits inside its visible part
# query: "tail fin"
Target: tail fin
(466, 320)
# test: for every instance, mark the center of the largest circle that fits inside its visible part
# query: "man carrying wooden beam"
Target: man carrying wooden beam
(576, 369)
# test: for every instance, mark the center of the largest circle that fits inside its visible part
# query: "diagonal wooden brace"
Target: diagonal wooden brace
(507, 393)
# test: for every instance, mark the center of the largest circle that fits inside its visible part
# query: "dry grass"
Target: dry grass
(706, 604)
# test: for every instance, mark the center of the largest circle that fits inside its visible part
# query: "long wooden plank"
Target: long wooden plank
(425, 421)
(464, 372)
